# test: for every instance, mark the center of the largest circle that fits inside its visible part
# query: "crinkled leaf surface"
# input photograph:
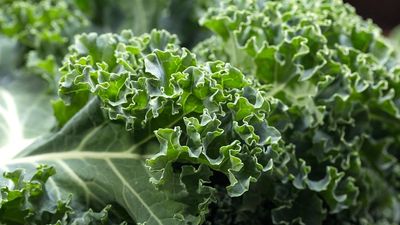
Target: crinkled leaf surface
(25, 200)
(162, 134)
(154, 128)
(202, 114)
(336, 81)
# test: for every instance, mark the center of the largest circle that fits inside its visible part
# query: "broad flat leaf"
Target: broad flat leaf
(96, 160)
(25, 114)
(25, 108)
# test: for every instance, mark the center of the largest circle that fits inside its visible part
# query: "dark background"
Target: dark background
(385, 13)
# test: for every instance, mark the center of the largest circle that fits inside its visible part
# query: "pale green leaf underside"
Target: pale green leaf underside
(25, 108)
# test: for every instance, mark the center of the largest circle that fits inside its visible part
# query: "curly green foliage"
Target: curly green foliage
(205, 115)
(111, 53)
(39, 24)
(337, 83)
(25, 200)
(43, 28)
(256, 208)
(211, 49)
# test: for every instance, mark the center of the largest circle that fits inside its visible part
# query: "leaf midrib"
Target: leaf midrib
(132, 191)
(78, 155)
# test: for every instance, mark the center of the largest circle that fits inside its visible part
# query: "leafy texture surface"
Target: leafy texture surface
(287, 113)
(337, 86)
(150, 91)
(43, 30)
(25, 201)
(166, 92)
(95, 160)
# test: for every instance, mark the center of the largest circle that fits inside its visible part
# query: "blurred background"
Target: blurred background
(385, 13)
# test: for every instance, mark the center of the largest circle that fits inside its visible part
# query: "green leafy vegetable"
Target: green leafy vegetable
(337, 83)
(43, 29)
(154, 91)
(26, 201)
(287, 112)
